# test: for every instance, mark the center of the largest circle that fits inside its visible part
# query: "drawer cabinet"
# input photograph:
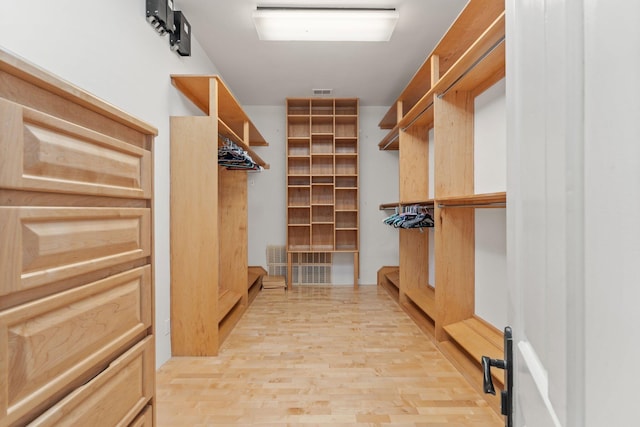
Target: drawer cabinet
(51, 343)
(47, 244)
(113, 398)
(76, 271)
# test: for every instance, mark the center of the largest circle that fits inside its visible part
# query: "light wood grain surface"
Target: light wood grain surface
(324, 356)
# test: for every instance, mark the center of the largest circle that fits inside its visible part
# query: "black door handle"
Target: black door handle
(507, 365)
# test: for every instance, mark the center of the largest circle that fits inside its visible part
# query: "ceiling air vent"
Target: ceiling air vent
(322, 92)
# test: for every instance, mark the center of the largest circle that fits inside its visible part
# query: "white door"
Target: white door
(573, 129)
(545, 236)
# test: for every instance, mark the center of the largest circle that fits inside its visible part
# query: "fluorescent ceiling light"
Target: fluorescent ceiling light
(324, 24)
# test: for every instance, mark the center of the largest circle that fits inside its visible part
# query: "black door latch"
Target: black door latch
(506, 396)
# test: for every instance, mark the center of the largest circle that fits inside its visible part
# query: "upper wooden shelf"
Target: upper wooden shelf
(198, 89)
(474, 200)
(470, 56)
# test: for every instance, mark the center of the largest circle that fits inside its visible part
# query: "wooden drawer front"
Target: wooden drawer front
(145, 419)
(44, 245)
(113, 398)
(44, 153)
(48, 345)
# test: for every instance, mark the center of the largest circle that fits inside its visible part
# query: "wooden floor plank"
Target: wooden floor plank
(324, 356)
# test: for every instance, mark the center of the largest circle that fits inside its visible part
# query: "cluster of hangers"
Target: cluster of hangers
(233, 157)
(414, 216)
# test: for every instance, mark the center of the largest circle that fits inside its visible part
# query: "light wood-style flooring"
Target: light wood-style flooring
(321, 356)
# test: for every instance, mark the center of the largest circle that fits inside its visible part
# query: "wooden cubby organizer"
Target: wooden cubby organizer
(211, 283)
(322, 178)
(469, 59)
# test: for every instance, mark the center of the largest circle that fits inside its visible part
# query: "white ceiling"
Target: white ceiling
(265, 73)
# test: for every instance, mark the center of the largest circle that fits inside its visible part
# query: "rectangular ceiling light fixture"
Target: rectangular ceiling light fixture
(325, 23)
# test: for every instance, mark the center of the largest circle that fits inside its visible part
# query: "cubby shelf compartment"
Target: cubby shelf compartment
(322, 158)
(347, 220)
(322, 107)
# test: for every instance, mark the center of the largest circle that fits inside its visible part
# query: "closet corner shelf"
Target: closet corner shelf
(197, 89)
(488, 200)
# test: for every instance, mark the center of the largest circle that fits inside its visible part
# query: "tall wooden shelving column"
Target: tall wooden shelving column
(468, 60)
(209, 271)
(322, 178)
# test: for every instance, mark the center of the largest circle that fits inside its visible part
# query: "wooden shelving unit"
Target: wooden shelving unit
(468, 60)
(322, 177)
(210, 287)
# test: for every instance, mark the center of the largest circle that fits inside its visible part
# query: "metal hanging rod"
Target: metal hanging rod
(391, 141)
(479, 60)
(467, 71)
(474, 205)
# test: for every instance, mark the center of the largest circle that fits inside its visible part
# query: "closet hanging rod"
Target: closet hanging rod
(391, 141)
(474, 205)
(468, 70)
(417, 117)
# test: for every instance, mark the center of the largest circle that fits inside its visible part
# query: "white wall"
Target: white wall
(378, 184)
(490, 176)
(111, 51)
(610, 215)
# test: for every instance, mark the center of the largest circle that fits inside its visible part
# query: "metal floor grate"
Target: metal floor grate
(306, 268)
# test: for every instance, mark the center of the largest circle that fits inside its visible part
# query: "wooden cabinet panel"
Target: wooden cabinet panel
(41, 245)
(51, 345)
(44, 153)
(145, 419)
(113, 398)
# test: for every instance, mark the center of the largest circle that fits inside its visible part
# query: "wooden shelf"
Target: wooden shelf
(484, 59)
(391, 141)
(394, 278)
(254, 281)
(197, 89)
(425, 298)
(466, 30)
(226, 131)
(482, 63)
(488, 200)
(226, 301)
(478, 339)
(419, 84)
(470, 370)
